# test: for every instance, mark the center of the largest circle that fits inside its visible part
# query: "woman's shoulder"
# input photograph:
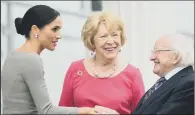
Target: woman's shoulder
(77, 63)
(131, 70)
(26, 59)
(21, 62)
(24, 56)
(131, 67)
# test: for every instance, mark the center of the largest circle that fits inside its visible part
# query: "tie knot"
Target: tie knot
(155, 87)
(162, 79)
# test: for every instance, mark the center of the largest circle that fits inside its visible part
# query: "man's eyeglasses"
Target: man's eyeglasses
(160, 50)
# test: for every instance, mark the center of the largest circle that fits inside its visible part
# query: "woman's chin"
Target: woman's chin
(110, 56)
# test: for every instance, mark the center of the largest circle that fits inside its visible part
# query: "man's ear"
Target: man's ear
(177, 58)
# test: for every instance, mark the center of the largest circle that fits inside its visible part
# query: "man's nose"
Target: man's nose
(152, 57)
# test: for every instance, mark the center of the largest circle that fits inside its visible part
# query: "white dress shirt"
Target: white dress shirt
(173, 72)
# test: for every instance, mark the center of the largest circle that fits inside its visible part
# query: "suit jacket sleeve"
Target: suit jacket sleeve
(33, 75)
(66, 98)
(181, 101)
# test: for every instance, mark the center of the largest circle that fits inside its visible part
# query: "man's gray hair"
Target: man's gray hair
(184, 44)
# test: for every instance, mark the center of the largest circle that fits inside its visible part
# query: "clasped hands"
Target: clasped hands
(103, 110)
(97, 110)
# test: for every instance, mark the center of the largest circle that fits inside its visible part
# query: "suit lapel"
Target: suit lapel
(166, 86)
(141, 101)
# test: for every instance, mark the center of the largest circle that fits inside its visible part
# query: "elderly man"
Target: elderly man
(173, 93)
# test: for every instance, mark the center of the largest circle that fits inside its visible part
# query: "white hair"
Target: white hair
(184, 45)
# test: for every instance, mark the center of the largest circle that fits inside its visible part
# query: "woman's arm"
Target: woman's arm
(33, 75)
(66, 98)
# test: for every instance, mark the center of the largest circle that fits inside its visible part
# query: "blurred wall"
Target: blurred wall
(144, 23)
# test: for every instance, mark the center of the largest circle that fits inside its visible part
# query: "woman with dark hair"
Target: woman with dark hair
(22, 77)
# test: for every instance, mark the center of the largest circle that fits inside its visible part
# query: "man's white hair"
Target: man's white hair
(184, 44)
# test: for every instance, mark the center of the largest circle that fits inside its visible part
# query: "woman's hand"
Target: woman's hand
(105, 110)
(86, 110)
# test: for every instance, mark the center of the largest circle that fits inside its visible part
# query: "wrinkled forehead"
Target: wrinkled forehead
(163, 42)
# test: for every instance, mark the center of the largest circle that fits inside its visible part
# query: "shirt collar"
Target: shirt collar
(173, 72)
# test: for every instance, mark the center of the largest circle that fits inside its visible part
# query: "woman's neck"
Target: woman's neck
(31, 47)
(103, 67)
(103, 62)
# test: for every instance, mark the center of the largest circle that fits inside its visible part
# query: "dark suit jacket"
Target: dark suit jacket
(175, 96)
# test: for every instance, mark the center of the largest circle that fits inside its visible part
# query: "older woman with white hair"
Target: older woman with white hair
(173, 93)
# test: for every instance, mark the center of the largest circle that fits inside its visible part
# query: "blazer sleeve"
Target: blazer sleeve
(33, 75)
(181, 100)
(137, 89)
(66, 98)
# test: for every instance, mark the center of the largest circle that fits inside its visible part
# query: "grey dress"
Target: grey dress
(23, 87)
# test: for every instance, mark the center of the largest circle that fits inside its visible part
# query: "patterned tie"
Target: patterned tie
(155, 87)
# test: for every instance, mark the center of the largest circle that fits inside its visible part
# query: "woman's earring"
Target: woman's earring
(93, 53)
(120, 49)
(36, 35)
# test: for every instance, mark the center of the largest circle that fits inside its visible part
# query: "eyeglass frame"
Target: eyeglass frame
(155, 51)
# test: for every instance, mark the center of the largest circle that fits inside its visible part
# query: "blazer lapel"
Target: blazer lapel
(166, 86)
(141, 101)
